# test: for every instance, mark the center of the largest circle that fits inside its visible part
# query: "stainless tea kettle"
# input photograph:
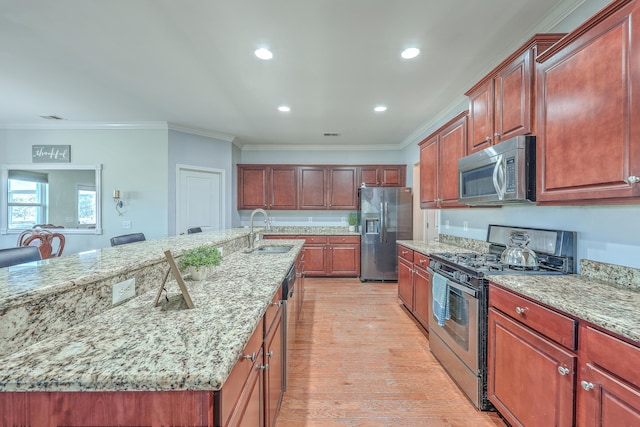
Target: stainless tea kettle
(517, 253)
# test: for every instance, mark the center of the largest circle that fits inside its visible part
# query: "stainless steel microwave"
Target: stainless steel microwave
(502, 174)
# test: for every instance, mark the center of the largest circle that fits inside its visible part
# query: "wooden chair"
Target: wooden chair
(48, 243)
(127, 238)
(19, 255)
(194, 230)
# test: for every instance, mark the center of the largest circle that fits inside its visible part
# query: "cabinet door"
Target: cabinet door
(249, 410)
(344, 260)
(513, 97)
(405, 282)
(453, 142)
(313, 188)
(393, 176)
(252, 187)
(605, 400)
(343, 191)
(369, 175)
(481, 118)
(273, 370)
(524, 380)
(422, 293)
(588, 145)
(315, 260)
(283, 187)
(429, 173)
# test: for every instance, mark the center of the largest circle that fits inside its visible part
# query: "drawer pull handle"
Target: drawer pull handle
(422, 261)
(586, 385)
(405, 252)
(263, 367)
(251, 356)
(563, 371)
(521, 310)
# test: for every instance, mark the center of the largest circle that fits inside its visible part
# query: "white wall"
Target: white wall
(355, 157)
(202, 151)
(134, 161)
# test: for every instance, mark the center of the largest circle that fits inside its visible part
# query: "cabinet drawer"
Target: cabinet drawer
(315, 239)
(405, 253)
(272, 309)
(233, 386)
(613, 354)
(420, 260)
(556, 326)
(344, 239)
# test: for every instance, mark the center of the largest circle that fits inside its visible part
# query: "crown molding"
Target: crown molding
(63, 124)
(203, 132)
(265, 147)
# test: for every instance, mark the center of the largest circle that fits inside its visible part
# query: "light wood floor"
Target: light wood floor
(360, 360)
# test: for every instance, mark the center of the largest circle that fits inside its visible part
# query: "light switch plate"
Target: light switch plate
(126, 225)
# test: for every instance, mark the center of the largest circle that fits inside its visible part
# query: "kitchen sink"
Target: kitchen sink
(271, 250)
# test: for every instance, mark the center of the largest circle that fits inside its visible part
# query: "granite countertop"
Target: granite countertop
(23, 283)
(609, 306)
(309, 231)
(135, 346)
(614, 307)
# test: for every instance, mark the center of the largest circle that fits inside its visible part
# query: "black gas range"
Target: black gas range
(459, 341)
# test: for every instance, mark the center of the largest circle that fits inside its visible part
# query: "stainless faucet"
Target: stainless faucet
(266, 219)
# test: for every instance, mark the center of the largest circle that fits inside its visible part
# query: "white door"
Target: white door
(200, 198)
(425, 221)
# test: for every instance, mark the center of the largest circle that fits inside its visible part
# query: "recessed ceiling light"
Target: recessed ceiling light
(284, 109)
(410, 53)
(263, 53)
(380, 108)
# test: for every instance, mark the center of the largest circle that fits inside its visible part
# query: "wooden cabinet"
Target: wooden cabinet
(267, 187)
(588, 145)
(315, 256)
(383, 175)
(343, 188)
(439, 154)
(313, 187)
(273, 369)
(502, 105)
(343, 256)
(414, 284)
(608, 381)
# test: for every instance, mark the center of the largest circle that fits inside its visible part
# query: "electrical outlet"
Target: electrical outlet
(446, 224)
(124, 290)
(310, 219)
(465, 225)
(126, 225)
(220, 250)
(343, 219)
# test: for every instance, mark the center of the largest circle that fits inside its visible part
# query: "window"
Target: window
(86, 202)
(27, 201)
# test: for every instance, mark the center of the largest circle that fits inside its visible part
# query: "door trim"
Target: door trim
(221, 172)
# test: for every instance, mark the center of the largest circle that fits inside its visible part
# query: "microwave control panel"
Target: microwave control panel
(510, 175)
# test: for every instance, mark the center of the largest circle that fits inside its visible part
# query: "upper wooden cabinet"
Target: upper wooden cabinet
(317, 187)
(588, 145)
(383, 175)
(439, 154)
(502, 105)
(267, 187)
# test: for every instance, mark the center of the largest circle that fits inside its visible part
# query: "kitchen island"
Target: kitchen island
(175, 357)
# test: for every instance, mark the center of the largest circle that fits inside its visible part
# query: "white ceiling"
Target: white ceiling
(190, 63)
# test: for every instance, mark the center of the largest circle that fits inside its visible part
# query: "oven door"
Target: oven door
(460, 331)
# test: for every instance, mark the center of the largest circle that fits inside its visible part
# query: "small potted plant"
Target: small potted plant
(200, 262)
(352, 219)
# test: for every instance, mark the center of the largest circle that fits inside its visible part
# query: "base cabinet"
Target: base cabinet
(273, 370)
(414, 284)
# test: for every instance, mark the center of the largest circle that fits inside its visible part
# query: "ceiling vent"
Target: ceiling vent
(52, 117)
(331, 134)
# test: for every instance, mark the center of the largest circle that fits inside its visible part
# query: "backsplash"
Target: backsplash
(471, 244)
(628, 277)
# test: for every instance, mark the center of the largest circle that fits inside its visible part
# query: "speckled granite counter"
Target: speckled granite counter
(311, 231)
(612, 304)
(138, 347)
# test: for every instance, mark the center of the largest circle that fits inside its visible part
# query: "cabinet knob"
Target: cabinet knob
(563, 371)
(633, 180)
(521, 310)
(270, 354)
(263, 367)
(586, 385)
(251, 356)
(496, 135)
(488, 138)
(277, 304)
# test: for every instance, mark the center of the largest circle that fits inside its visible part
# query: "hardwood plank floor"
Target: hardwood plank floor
(360, 360)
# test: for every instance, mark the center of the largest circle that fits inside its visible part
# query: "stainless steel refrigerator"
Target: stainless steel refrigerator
(385, 216)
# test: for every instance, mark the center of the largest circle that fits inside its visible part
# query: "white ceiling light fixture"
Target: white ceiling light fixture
(284, 109)
(264, 54)
(410, 53)
(380, 108)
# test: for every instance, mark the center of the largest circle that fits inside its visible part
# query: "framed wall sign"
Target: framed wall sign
(51, 153)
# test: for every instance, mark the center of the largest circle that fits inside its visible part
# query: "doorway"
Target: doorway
(200, 198)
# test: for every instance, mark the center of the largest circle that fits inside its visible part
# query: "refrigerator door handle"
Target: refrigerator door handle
(385, 215)
(382, 223)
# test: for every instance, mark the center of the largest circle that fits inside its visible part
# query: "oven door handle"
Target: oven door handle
(457, 286)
